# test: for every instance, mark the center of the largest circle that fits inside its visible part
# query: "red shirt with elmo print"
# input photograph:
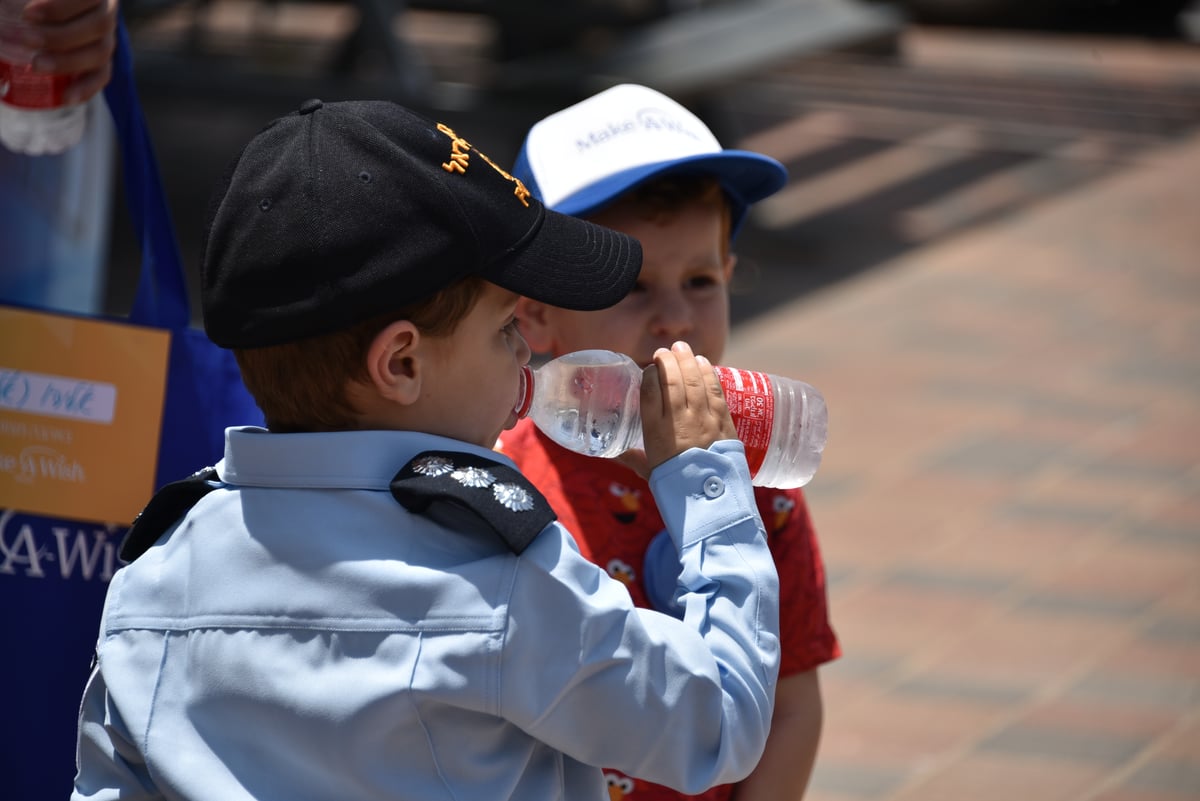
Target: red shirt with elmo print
(612, 514)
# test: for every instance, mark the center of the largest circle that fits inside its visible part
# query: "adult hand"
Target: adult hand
(683, 405)
(73, 37)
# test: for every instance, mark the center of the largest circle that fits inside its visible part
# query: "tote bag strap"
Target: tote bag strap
(162, 298)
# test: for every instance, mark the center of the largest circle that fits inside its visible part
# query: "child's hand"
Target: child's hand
(682, 405)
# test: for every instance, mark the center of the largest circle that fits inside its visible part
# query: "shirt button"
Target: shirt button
(714, 487)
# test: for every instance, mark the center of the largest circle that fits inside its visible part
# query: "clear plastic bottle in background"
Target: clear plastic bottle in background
(589, 402)
(34, 120)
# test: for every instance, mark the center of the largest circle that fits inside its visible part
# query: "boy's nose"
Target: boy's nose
(672, 317)
(523, 353)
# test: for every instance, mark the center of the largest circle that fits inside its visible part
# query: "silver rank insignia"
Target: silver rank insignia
(512, 497)
(432, 465)
(473, 477)
(498, 495)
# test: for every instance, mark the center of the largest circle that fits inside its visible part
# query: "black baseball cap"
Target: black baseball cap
(341, 211)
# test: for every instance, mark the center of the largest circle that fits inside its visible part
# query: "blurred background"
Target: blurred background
(988, 259)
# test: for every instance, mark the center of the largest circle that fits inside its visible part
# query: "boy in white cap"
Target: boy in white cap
(364, 600)
(636, 161)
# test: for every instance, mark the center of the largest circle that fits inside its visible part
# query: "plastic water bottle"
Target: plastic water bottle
(34, 120)
(589, 402)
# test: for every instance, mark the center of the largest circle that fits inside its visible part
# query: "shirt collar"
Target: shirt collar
(368, 460)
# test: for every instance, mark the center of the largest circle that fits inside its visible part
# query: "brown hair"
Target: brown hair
(659, 199)
(301, 386)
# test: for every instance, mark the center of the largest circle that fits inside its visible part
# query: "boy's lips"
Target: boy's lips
(524, 393)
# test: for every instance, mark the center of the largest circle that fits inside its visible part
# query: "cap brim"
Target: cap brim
(571, 263)
(747, 177)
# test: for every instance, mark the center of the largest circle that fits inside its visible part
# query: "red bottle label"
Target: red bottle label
(21, 87)
(751, 402)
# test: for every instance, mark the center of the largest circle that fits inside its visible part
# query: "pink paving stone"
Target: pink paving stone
(1023, 648)
(910, 515)
(1183, 603)
(992, 777)
(893, 380)
(1126, 568)
(911, 527)
(951, 493)
(880, 418)
(1015, 548)
(1183, 511)
(897, 732)
(1167, 660)
(912, 502)
(842, 691)
(1119, 496)
(896, 617)
(1183, 744)
(1165, 441)
(1099, 717)
(1141, 794)
(842, 545)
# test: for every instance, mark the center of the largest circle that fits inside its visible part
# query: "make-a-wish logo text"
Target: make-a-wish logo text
(39, 548)
(41, 463)
(649, 119)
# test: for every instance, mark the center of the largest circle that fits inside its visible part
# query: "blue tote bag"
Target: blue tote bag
(54, 571)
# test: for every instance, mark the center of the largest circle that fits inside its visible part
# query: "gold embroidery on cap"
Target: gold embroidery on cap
(460, 160)
(459, 157)
(519, 190)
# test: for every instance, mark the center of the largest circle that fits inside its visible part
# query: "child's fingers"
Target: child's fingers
(669, 375)
(657, 412)
(689, 409)
(716, 397)
(653, 396)
(695, 393)
(712, 385)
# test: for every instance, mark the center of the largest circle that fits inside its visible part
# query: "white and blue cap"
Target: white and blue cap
(580, 159)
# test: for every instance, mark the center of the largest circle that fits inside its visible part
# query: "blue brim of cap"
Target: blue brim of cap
(745, 176)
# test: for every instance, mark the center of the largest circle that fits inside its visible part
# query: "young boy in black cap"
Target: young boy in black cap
(364, 600)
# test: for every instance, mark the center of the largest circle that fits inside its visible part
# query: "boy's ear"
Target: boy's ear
(394, 362)
(533, 320)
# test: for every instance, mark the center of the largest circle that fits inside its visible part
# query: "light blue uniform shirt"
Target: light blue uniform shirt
(300, 635)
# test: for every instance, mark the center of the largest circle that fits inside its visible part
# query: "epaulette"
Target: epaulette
(499, 496)
(168, 505)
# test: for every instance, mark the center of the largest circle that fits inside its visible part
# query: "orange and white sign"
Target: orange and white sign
(81, 405)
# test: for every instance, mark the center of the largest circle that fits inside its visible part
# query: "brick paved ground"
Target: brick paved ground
(1010, 502)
